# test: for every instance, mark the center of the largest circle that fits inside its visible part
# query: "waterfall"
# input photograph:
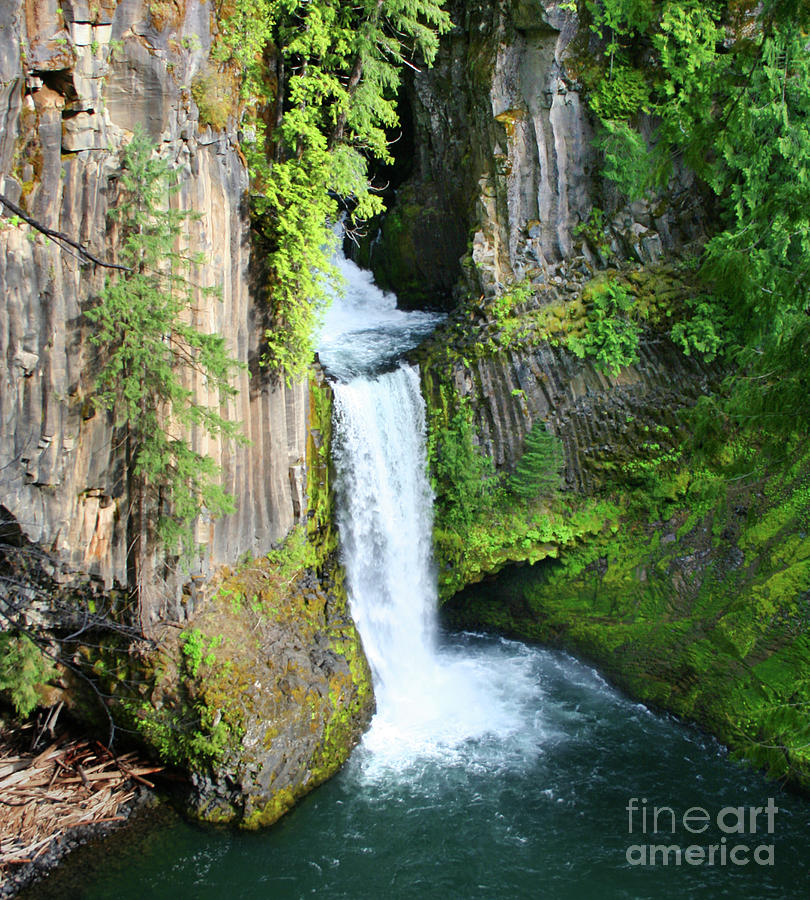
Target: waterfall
(430, 700)
(385, 518)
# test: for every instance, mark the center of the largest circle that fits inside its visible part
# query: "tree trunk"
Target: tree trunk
(354, 80)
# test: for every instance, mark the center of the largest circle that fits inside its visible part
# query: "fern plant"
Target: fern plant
(611, 337)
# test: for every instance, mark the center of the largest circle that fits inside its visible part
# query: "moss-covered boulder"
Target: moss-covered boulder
(263, 696)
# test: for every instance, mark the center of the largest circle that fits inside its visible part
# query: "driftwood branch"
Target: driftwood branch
(67, 785)
(58, 236)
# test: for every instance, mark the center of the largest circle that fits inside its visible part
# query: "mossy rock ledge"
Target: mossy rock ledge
(704, 615)
(278, 689)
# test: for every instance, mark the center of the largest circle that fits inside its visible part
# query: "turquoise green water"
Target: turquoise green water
(537, 810)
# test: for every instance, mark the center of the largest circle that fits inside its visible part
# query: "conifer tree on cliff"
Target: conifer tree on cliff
(150, 353)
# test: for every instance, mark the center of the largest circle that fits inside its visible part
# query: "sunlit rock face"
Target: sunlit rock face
(74, 84)
(505, 169)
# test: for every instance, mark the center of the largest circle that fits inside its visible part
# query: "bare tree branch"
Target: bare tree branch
(58, 236)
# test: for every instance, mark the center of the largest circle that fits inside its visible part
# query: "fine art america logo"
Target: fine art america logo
(744, 835)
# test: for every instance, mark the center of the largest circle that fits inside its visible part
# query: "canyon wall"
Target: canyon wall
(602, 419)
(75, 81)
(684, 575)
(505, 169)
(504, 188)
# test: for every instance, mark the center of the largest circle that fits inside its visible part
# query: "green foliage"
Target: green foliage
(23, 670)
(151, 353)
(593, 230)
(731, 95)
(193, 737)
(213, 93)
(294, 557)
(727, 645)
(504, 304)
(460, 473)
(702, 331)
(760, 264)
(611, 337)
(539, 469)
(652, 466)
(687, 45)
(622, 96)
(197, 649)
(615, 21)
(481, 524)
(292, 213)
(332, 95)
(505, 529)
(627, 159)
(678, 87)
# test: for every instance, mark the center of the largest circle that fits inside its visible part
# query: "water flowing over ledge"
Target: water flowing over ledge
(432, 702)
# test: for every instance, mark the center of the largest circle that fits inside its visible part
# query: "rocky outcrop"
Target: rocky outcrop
(288, 682)
(603, 420)
(506, 169)
(264, 693)
(75, 80)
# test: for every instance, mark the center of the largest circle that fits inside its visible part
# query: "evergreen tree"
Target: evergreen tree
(539, 469)
(149, 353)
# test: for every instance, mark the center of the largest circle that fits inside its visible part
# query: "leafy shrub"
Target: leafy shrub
(622, 96)
(198, 650)
(611, 337)
(701, 332)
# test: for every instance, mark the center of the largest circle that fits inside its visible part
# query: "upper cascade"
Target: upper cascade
(363, 332)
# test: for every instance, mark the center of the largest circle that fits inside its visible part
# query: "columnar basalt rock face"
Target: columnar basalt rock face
(603, 420)
(75, 81)
(506, 168)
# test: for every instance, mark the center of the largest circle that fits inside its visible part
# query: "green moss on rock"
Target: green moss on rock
(278, 698)
(711, 625)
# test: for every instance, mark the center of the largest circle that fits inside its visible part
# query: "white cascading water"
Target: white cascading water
(430, 701)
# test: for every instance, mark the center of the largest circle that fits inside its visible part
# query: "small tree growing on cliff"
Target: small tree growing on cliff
(150, 351)
(540, 468)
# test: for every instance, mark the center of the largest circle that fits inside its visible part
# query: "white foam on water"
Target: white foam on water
(362, 329)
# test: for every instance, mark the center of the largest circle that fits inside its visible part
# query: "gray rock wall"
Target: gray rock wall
(506, 168)
(604, 421)
(74, 81)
